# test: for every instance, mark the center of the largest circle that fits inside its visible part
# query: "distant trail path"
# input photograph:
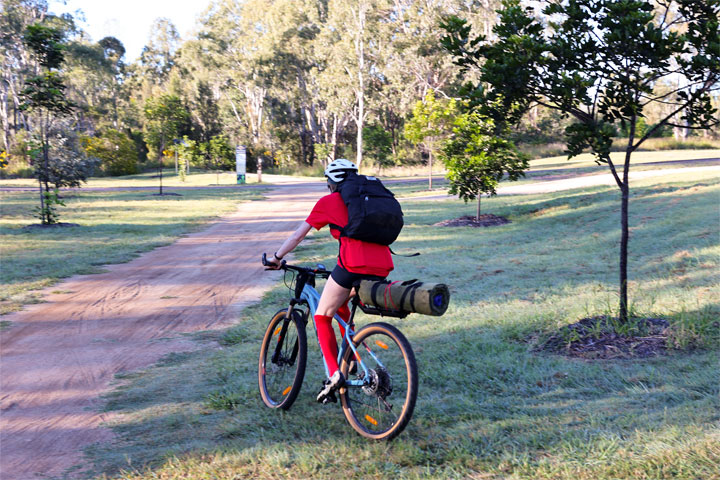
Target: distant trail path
(59, 357)
(583, 181)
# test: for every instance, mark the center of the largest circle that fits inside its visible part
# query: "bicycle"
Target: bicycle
(377, 361)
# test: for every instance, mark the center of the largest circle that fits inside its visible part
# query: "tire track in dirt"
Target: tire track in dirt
(59, 357)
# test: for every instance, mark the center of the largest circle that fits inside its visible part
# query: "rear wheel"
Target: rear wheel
(282, 360)
(382, 408)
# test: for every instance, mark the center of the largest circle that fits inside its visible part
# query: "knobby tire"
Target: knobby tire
(382, 411)
(280, 381)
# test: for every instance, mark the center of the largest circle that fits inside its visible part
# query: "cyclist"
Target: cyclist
(356, 260)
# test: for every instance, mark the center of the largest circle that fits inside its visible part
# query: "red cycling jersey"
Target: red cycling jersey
(356, 256)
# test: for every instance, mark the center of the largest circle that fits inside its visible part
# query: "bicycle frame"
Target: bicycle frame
(310, 297)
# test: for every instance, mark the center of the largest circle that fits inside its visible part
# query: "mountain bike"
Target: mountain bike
(377, 360)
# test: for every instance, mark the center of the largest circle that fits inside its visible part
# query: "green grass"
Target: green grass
(560, 168)
(112, 227)
(488, 405)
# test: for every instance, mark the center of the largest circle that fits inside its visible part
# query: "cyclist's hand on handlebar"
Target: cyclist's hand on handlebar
(270, 262)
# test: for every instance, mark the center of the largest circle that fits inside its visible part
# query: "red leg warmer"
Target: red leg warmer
(328, 343)
(344, 313)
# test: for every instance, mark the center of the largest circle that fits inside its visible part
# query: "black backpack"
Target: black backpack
(374, 215)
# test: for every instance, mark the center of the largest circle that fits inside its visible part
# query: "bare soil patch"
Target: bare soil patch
(486, 220)
(597, 338)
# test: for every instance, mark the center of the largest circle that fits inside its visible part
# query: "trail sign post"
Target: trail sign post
(240, 163)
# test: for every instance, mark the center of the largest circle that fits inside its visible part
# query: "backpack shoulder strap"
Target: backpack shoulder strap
(404, 255)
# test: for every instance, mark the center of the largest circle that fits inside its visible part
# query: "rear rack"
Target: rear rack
(382, 311)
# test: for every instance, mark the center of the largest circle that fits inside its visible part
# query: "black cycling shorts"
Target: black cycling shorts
(346, 279)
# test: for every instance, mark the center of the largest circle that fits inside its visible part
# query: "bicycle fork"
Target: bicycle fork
(281, 338)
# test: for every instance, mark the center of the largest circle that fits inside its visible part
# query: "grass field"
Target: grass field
(581, 164)
(112, 227)
(557, 167)
(150, 179)
(489, 405)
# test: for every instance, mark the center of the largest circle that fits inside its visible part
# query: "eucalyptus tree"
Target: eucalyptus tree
(92, 84)
(231, 39)
(352, 30)
(114, 52)
(412, 61)
(160, 53)
(16, 62)
(601, 63)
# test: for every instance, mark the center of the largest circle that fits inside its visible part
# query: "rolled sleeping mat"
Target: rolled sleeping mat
(410, 296)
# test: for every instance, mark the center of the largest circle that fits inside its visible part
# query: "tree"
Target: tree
(165, 117)
(378, 143)
(44, 96)
(600, 62)
(477, 158)
(159, 55)
(115, 151)
(69, 165)
(219, 155)
(431, 122)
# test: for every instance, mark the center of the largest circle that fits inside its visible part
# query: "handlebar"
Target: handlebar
(318, 271)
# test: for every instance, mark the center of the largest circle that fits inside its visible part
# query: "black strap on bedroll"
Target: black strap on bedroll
(374, 290)
(412, 286)
(374, 214)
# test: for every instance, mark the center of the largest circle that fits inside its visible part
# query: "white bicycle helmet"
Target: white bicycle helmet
(338, 170)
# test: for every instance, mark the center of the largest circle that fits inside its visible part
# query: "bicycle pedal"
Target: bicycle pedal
(329, 398)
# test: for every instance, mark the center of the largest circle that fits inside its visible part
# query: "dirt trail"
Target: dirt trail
(58, 357)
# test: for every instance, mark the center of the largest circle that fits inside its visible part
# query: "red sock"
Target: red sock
(344, 313)
(328, 343)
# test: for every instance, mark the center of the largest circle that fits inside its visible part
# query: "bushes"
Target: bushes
(117, 152)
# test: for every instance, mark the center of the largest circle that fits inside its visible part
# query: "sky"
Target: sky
(130, 20)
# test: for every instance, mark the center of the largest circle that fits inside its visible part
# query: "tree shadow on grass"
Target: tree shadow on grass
(483, 401)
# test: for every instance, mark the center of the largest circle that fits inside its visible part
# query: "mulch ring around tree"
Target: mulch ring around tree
(40, 226)
(486, 220)
(597, 338)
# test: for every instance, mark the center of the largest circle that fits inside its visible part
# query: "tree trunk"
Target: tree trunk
(359, 156)
(477, 214)
(430, 155)
(42, 203)
(624, 252)
(333, 150)
(625, 234)
(360, 93)
(160, 155)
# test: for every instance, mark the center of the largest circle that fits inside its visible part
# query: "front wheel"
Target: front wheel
(383, 406)
(282, 360)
